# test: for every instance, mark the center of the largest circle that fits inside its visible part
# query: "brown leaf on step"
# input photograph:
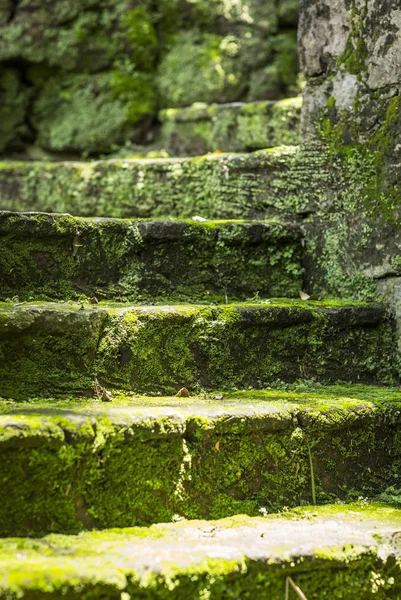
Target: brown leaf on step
(182, 393)
(210, 531)
(304, 295)
(217, 446)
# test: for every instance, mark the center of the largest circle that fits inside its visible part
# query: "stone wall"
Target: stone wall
(84, 76)
(350, 52)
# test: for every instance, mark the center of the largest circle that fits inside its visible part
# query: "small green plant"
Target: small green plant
(312, 475)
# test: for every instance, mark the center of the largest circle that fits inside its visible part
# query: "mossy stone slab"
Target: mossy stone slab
(285, 180)
(59, 257)
(82, 464)
(335, 552)
(61, 348)
(235, 127)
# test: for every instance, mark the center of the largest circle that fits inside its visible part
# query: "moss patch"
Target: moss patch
(343, 563)
(98, 77)
(50, 349)
(205, 128)
(47, 257)
(281, 180)
(138, 461)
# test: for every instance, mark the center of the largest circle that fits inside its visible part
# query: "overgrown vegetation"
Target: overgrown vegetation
(111, 67)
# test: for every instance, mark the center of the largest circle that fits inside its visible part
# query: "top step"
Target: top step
(285, 180)
(234, 127)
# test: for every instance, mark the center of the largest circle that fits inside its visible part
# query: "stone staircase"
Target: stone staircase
(174, 406)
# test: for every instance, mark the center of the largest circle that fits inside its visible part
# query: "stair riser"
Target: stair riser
(222, 187)
(62, 257)
(158, 350)
(83, 472)
(234, 127)
(343, 573)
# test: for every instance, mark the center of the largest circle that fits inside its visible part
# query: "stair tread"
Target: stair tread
(263, 304)
(236, 126)
(200, 110)
(53, 256)
(238, 554)
(140, 460)
(271, 407)
(273, 153)
(283, 180)
(56, 348)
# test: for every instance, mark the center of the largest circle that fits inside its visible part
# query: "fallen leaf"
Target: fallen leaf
(218, 152)
(182, 393)
(304, 295)
(217, 446)
(210, 531)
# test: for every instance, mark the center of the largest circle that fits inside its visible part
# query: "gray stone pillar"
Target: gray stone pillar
(350, 52)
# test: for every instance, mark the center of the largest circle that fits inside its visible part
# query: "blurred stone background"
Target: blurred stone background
(85, 77)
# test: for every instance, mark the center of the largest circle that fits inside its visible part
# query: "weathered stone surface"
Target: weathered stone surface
(352, 105)
(97, 72)
(58, 256)
(62, 348)
(235, 127)
(347, 551)
(86, 36)
(251, 65)
(282, 180)
(138, 461)
(91, 113)
(357, 37)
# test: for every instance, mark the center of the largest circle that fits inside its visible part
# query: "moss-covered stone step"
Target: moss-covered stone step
(59, 256)
(327, 552)
(60, 348)
(142, 460)
(281, 180)
(235, 127)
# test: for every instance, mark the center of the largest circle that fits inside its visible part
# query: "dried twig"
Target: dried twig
(289, 582)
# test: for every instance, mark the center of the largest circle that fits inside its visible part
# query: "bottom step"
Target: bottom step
(330, 552)
(135, 461)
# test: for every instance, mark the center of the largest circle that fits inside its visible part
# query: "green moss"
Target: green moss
(63, 346)
(49, 257)
(71, 565)
(149, 54)
(354, 57)
(364, 206)
(201, 128)
(52, 349)
(281, 180)
(214, 56)
(141, 460)
(106, 106)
